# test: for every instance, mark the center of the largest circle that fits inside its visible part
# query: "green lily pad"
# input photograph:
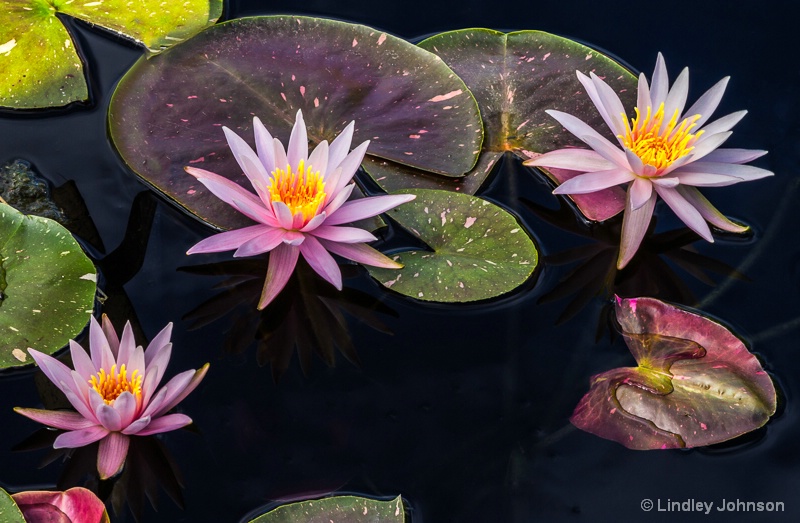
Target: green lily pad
(30, 28)
(695, 384)
(9, 511)
(168, 111)
(515, 77)
(341, 509)
(479, 250)
(47, 286)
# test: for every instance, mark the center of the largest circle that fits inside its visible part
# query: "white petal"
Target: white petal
(676, 99)
(659, 85)
(723, 124)
(582, 160)
(298, 142)
(340, 146)
(643, 95)
(634, 226)
(596, 181)
(733, 155)
(708, 211)
(639, 193)
(708, 143)
(707, 104)
(609, 110)
(318, 160)
(264, 146)
(583, 131)
(686, 212)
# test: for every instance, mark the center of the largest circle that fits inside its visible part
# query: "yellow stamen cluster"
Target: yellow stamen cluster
(301, 189)
(111, 385)
(656, 146)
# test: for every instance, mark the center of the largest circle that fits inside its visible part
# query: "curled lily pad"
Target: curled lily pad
(341, 509)
(47, 286)
(76, 505)
(696, 383)
(515, 77)
(30, 28)
(167, 112)
(479, 250)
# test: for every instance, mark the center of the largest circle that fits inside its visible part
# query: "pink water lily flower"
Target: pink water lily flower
(300, 204)
(664, 150)
(114, 392)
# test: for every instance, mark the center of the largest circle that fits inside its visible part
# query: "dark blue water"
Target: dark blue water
(463, 410)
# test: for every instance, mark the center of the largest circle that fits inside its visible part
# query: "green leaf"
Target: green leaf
(479, 250)
(695, 384)
(341, 509)
(515, 77)
(47, 285)
(9, 511)
(168, 111)
(30, 28)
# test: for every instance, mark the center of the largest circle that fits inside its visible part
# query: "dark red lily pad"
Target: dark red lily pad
(515, 77)
(76, 505)
(696, 383)
(168, 111)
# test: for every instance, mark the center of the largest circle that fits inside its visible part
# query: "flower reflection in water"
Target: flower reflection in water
(308, 315)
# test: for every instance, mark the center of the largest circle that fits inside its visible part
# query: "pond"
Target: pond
(462, 409)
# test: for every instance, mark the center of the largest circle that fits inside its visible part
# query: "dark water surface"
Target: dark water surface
(461, 409)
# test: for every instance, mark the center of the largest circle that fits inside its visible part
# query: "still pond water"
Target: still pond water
(463, 410)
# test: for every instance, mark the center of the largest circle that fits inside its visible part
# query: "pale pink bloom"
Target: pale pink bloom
(300, 204)
(114, 392)
(664, 150)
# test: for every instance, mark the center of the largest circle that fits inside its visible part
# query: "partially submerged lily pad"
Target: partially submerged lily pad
(479, 250)
(47, 286)
(30, 28)
(696, 383)
(75, 505)
(168, 111)
(515, 77)
(341, 509)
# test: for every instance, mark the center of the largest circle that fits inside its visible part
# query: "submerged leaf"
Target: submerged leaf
(479, 250)
(341, 509)
(30, 28)
(47, 286)
(515, 78)
(696, 383)
(168, 111)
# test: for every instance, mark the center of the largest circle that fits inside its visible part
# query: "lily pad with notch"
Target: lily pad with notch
(31, 28)
(695, 384)
(478, 250)
(168, 111)
(516, 77)
(47, 286)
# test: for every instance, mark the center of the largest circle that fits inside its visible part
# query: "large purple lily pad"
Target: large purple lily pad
(168, 111)
(696, 383)
(515, 77)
